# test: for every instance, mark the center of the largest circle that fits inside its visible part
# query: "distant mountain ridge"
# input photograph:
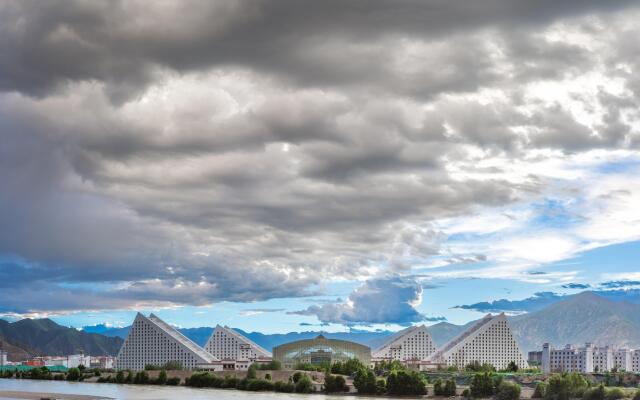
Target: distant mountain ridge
(29, 337)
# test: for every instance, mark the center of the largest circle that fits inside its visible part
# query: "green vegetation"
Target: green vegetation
(284, 387)
(539, 391)
(300, 383)
(348, 367)
(594, 393)
(162, 377)
(335, 383)
(141, 378)
(169, 366)
(252, 371)
(446, 389)
(73, 374)
(614, 394)
(512, 367)
(270, 366)
(304, 385)
(406, 383)
(507, 391)
(637, 395)
(477, 367)
(565, 386)
(365, 381)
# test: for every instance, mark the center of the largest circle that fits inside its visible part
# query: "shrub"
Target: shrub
(508, 391)
(438, 390)
(296, 376)
(614, 394)
(284, 387)
(251, 372)
(129, 377)
(406, 383)
(173, 366)
(466, 393)
(365, 381)
(482, 385)
(512, 367)
(381, 386)
(120, 377)
(271, 366)
(73, 374)
(141, 378)
(259, 385)
(539, 391)
(175, 381)
(304, 385)
(229, 382)
(162, 377)
(335, 383)
(450, 388)
(595, 393)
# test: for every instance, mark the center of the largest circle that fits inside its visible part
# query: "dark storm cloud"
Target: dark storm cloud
(189, 153)
(45, 45)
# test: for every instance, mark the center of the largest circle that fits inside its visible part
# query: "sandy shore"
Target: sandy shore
(42, 395)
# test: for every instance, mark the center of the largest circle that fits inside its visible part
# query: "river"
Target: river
(148, 392)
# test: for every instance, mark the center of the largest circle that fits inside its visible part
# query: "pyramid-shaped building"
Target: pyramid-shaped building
(489, 341)
(410, 344)
(151, 341)
(227, 344)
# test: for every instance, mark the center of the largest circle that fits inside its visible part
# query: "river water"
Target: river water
(147, 392)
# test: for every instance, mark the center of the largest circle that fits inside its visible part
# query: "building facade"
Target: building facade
(320, 350)
(235, 350)
(489, 341)
(4, 358)
(589, 359)
(410, 344)
(152, 341)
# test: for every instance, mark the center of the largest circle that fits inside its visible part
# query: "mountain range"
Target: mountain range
(584, 317)
(32, 337)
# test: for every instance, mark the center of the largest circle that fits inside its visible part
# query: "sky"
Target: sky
(296, 165)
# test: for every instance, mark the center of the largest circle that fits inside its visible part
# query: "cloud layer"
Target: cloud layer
(249, 151)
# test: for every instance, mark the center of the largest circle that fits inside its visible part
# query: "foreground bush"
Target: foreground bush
(335, 383)
(508, 391)
(538, 393)
(304, 385)
(406, 383)
(284, 387)
(595, 393)
(365, 381)
(565, 386)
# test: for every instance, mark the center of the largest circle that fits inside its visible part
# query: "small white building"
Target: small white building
(568, 359)
(4, 358)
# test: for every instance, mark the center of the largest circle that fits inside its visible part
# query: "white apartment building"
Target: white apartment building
(410, 344)
(588, 359)
(489, 341)
(4, 358)
(568, 359)
(622, 360)
(152, 341)
(236, 351)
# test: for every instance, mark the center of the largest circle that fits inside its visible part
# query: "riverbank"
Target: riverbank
(14, 394)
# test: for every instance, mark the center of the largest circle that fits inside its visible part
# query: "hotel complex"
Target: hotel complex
(489, 341)
(587, 359)
(410, 344)
(152, 341)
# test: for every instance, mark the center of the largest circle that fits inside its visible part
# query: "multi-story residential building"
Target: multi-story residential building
(4, 357)
(588, 359)
(602, 359)
(568, 359)
(152, 341)
(102, 362)
(489, 341)
(635, 360)
(535, 358)
(622, 360)
(410, 344)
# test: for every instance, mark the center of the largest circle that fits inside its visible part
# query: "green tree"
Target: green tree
(162, 377)
(406, 383)
(141, 378)
(636, 396)
(365, 381)
(304, 385)
(438, 390)
(73, 374)
(595, 393)
(450, 388)
(482, 385)
(120, 377)
(252, 371)
(512, 367)
(173, 366)
(539, 391)
(267, 377)
(381, 387)
(508, 391)
(614, 394)
(335, 383)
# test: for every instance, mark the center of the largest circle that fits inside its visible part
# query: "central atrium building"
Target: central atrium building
(320, 350)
